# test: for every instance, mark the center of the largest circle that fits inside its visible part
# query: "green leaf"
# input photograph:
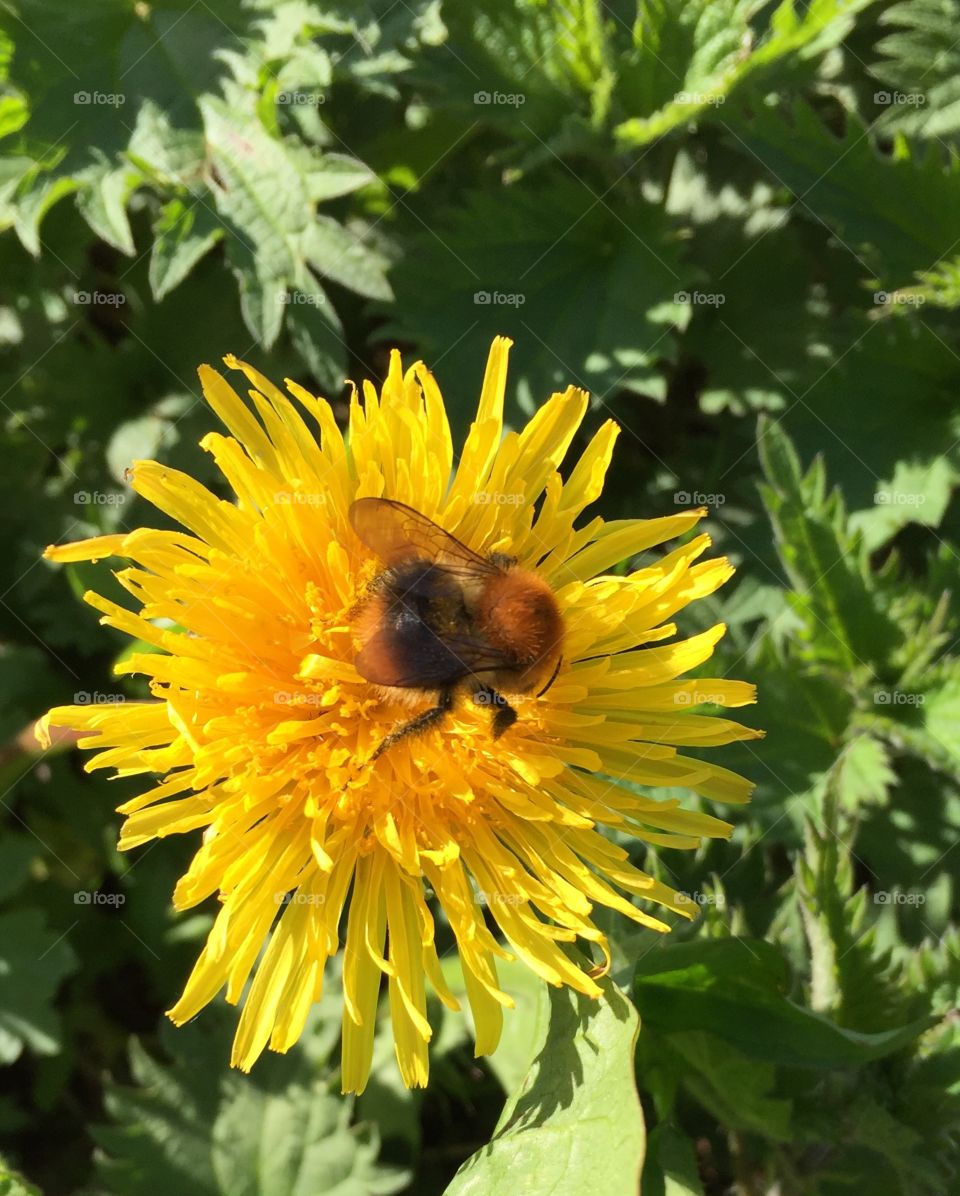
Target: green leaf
(918, 492)
(197, 1128)
(185, 231)
(735, 1089)
(33, 961)
(690, 58)
(340, 255)
(736, 989)
(574, 1124)
(921, 68)
(586, 287)
(893, 209)
(826, 564)
(103, 202)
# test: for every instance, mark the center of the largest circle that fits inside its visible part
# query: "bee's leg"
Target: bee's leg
(504, 714)
(421, 722)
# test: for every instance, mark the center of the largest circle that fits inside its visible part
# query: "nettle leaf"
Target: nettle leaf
(826, 564)
(341, 256)
(736, 990)
(736, 1090)
(33, 961)
(864, 773)
(918, 492)
(575, 1123)
(195, 1127)
(691, 57)
(921, 68)
(587, 289)
(540, 71)
(185, 230)
(259, 190)
(895, 210)
(103, 203)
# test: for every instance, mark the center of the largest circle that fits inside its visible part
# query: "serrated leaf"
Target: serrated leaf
(918, 492)
(692, 57)
(184, 232)
(893, 209)
(735, 989)
(825, 563)
(921, 69)
(259, 190)
(864, 773)
(33, 961)
(736, 1090)
(340, 255)
(196, 1128)
(575, 1123)
(587, 289)
(102, 200)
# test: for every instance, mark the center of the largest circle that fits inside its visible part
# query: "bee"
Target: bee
(440, 619)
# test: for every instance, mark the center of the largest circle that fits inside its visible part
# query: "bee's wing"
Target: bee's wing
(396, 532)
(436, 662)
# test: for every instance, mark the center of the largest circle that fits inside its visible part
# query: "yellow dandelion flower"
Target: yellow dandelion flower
(264, 734)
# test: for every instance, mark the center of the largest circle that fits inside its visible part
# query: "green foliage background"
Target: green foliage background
(738, 225)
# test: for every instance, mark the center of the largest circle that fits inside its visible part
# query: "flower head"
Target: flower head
(262, 733)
